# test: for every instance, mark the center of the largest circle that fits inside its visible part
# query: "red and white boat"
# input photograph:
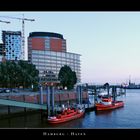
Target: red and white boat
(108, 104)
(66, 115)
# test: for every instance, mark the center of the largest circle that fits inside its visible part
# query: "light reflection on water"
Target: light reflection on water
(125, 117)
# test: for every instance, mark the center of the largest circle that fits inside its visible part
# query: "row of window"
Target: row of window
(12, 37)
(57, 66)
(12, 57)
(39, 58)
(56, 63)
(12, 48)
(61, 54)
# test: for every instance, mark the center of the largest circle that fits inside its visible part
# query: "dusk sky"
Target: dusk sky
(109, 42)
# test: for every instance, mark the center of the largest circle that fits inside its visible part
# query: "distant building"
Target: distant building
(47, 51)
(12, 42)
(2, 48)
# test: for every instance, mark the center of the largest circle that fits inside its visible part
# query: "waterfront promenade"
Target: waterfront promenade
(27, 100)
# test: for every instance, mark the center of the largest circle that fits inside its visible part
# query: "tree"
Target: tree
(74, 77)
(14, 74)
(29, 74)
(106, 85)
(67, 77)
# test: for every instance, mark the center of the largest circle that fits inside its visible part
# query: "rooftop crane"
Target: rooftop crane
(4, 21)
(23, 26)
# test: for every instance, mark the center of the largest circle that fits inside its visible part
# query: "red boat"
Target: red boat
(66, 115)
(108, 104)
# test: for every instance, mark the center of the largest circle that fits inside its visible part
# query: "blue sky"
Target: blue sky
(109, 42)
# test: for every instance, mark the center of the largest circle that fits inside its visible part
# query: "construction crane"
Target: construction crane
(23, 30)
(5, 21)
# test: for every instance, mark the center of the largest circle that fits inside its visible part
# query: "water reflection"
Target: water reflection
(107, 112)
(26, 121)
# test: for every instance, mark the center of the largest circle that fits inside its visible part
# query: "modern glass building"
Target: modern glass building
(12, 42)
(48, 52)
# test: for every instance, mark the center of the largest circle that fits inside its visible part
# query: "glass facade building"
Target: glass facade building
(12, 42)
(48, 53)
(53, 61)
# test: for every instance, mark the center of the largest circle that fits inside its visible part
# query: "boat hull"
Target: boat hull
(117, 104)
(65, 119)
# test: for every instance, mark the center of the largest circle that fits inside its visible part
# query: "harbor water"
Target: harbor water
(124, 117)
